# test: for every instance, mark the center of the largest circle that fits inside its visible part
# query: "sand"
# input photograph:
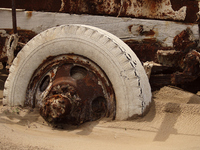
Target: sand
(173, 123)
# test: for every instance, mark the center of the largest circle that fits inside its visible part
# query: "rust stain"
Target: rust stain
(184, 41)
(29, 14)
(130, 28)
(169, 58)
(146, 49)
(144, 32)
(153, 5)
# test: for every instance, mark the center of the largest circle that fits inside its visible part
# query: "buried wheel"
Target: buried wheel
(78, 73)
(72, 89)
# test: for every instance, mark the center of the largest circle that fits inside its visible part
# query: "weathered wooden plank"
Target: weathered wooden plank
(124, 28)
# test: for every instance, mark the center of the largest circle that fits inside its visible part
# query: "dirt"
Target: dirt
(173, 122)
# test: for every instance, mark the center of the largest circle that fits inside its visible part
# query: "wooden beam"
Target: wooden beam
(124, 28)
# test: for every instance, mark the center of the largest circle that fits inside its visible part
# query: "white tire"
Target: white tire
(120, 64)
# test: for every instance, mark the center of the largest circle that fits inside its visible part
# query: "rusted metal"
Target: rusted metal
(169, 58)
(23, 37)
(179, 10)
(146, 49)
(181, 70)
(10, 48)
(71, 89)
(188, 59)
(159, 80)
(179, 66)
(185, 41)
(56, 107)
(191, 10)
(191, 69)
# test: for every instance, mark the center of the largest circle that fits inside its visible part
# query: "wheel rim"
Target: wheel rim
(71, 89)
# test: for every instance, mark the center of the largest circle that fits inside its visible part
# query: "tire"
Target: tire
(113, 56)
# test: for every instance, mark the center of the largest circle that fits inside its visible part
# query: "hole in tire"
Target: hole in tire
(44, 84)
(78, 72)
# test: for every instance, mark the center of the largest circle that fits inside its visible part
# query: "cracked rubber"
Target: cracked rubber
(121, 65)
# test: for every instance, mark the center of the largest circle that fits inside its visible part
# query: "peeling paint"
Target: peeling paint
(179, 10)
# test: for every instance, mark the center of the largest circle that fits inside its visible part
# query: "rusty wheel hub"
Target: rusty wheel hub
(71, 89)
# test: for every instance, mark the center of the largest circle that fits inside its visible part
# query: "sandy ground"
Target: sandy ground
(173, 123)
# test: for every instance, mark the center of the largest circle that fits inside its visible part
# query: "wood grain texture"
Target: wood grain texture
(124, 28)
